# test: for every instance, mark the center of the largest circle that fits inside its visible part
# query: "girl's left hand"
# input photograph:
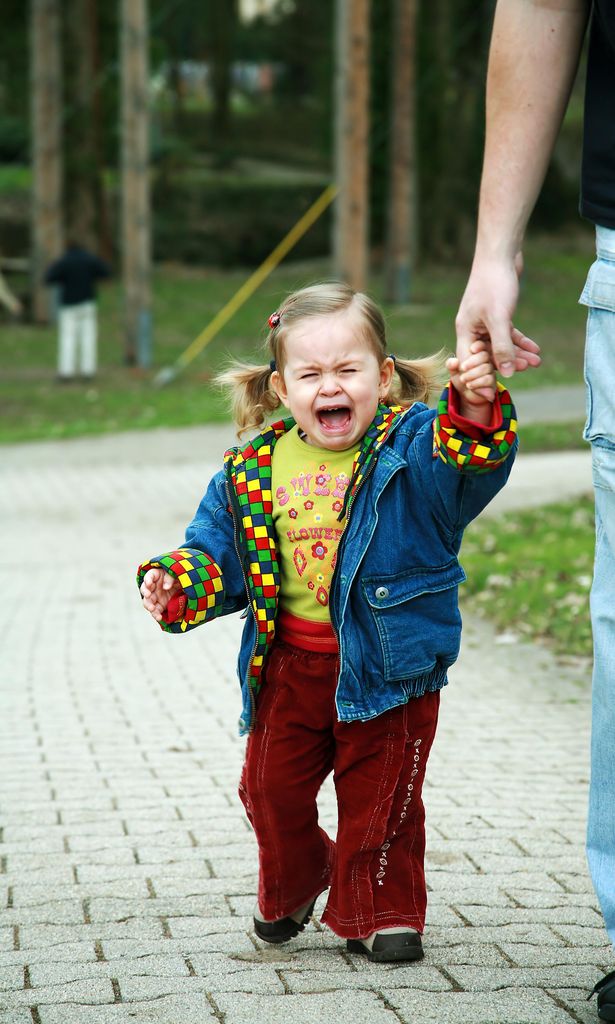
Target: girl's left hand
(476, 383)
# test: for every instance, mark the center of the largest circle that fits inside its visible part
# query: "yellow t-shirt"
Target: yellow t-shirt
(308, 486)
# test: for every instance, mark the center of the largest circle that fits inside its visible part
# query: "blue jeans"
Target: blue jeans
(599, 296)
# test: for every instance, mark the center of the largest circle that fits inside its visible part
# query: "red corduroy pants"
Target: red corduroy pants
(375, 868)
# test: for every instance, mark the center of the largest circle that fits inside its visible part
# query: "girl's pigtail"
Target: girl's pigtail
(251, 395)
(418, 379)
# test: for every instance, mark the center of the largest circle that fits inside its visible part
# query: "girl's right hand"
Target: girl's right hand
(157, 589)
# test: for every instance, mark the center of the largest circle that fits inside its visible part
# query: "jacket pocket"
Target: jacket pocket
(417, 618)
(599, 296)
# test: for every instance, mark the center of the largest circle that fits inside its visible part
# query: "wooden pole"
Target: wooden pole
(83, 159)
(351, 220)
(402, 234)
(136, 214)
(46, 99)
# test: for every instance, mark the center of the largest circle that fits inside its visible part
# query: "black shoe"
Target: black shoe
(386, 948)
(606, 996)
(284, 929)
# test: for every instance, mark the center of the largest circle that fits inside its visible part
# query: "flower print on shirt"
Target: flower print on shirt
(308, 500)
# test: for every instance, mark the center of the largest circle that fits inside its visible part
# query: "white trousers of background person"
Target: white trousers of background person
(77, 342)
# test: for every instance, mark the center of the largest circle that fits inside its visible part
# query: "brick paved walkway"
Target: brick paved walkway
(127, 871)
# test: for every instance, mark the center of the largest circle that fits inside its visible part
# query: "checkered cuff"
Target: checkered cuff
(474, 455)
(202, 585)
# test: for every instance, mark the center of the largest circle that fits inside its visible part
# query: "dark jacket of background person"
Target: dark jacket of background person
(76, 272)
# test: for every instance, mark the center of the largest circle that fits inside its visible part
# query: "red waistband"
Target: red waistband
(305, 634)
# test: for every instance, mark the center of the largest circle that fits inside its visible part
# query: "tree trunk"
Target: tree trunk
(46, 99)
(351, 227)
(84, 185)
(402, 234)
(222, 33)
(136, 214)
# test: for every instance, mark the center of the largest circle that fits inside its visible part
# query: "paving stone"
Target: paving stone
(34, 861)
(197, 927)
(109, 909)
(510, 1007)
(44, 878)
(574, 882)
(532, 955)
(176, 1009)
(162, 964)
(233, 939)
(540, 934)
(478, 979)
(15, 1016)
(227, 978)
(11, 978)
(50, 935)
(50, 912)
(579, 935)
(33, 895)
(384, 975)
(482, 955)
(532, 898)
(566, 914)
(74, 952)
(7, 941)
(583, 1011)
(361, 1008)
(90, 991)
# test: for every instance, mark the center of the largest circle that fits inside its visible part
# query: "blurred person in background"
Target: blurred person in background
(76, 274)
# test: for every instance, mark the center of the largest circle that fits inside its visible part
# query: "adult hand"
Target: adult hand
(485, 314)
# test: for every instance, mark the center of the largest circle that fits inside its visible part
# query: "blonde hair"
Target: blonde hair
(249, 385)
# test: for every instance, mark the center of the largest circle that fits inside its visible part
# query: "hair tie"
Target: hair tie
(274, 320)
(272, 365)
(394, 358)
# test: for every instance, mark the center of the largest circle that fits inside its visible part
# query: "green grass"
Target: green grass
(530, 572)
(185, 299)
(551, 437)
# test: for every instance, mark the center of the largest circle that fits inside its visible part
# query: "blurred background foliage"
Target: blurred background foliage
(242, 126)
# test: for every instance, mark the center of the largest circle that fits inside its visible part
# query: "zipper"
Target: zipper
(366, 476)
(245, 581)
(338, 560)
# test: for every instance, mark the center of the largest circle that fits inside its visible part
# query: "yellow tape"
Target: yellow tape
(249, 287)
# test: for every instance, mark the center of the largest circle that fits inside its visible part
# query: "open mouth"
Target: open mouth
(334, 419)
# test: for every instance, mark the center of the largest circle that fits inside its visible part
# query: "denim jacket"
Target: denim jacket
(417, 482)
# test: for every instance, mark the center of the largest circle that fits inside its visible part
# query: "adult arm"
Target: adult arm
(533, 58)
(101, 269)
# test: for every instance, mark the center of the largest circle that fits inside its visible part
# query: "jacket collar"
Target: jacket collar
(261, 447)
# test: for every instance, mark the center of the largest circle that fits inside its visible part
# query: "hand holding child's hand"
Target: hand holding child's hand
(157, 588)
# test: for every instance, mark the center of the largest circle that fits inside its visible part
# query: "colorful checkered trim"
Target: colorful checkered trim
(201, 580)
(248, 471)
(377, 432)
(467, 454)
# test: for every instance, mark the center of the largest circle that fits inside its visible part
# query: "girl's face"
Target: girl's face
(332, 381)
